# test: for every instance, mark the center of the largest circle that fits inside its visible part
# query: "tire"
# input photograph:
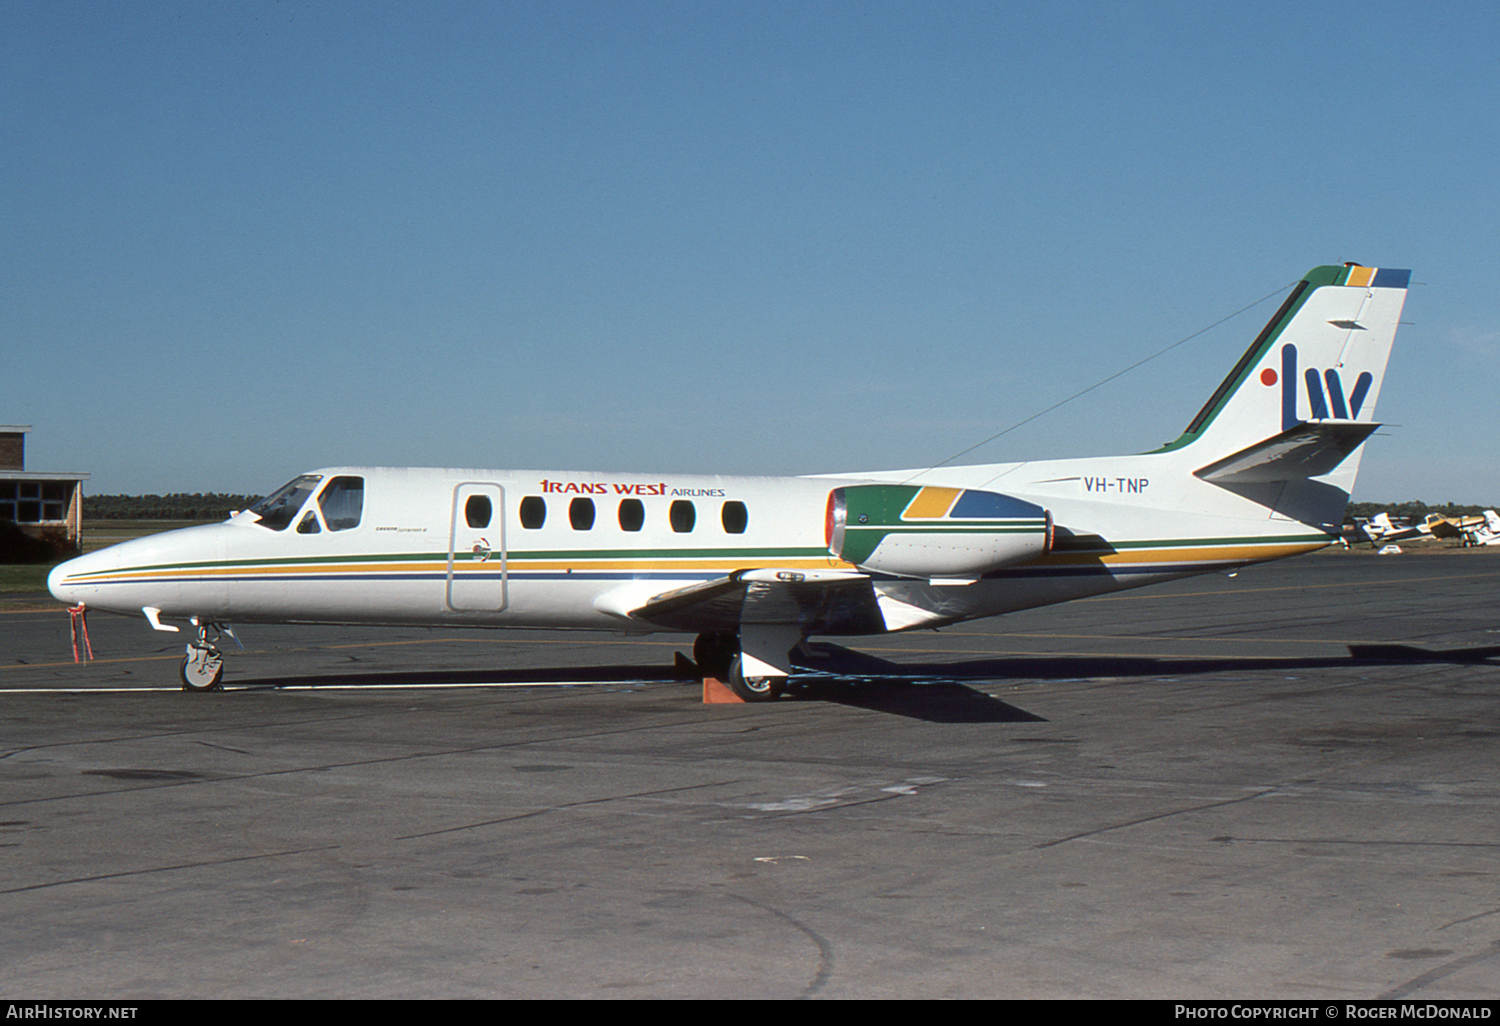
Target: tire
(753, 689)
(202, 669)
(713, 654)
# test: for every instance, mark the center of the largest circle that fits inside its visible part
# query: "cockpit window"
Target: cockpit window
(277, 509)
(342, 502)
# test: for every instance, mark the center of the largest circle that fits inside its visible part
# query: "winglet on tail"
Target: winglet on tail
(1304, 392)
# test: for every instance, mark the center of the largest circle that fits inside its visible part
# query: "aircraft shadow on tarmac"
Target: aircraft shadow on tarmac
(937, 691)
(936, 694)
(940, 692)
(538, 676)
(846, 662)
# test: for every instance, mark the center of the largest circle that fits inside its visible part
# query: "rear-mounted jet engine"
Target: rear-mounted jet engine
(924, 531)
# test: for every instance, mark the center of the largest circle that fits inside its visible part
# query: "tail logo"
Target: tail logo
(1325, 392)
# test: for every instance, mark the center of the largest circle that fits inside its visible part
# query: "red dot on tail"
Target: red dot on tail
(1268, 377)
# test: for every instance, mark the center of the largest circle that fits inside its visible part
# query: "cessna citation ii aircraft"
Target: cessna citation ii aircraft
(755, 565)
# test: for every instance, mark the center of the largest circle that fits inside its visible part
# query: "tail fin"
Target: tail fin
(1313, 372)
(1285, 430)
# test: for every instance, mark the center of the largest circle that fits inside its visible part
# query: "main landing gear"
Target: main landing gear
(203, 667)
(719, 656)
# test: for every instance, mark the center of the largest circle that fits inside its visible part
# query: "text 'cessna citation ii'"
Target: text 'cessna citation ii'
(755, 565)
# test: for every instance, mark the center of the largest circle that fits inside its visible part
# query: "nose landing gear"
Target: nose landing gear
(203, 667)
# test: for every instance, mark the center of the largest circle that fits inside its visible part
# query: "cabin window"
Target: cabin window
(478, 511)
(735, 516)
(632, 514)
(533, 512)
(581, 513)
(682, 516)
(342, 502)
(277, 509)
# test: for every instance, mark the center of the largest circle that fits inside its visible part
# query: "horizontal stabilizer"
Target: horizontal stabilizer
(1309, 449)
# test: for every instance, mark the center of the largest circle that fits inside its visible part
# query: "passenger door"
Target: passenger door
(476, 549)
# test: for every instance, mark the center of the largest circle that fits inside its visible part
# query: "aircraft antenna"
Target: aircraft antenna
(1099, 384)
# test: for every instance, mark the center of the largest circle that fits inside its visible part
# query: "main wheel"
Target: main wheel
(753, 689)
(202, 669)
(713, 653)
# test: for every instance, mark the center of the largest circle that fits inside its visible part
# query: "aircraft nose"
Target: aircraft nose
(57, 582)
(143, 572)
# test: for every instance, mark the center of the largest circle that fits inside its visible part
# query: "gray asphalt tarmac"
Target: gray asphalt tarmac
(1284, 784)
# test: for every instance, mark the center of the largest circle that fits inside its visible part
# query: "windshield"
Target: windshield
(277, 509)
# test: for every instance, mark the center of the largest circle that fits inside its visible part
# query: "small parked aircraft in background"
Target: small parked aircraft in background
(1487, 532)
(754, 565)
(1381, 530)
(1461, 529)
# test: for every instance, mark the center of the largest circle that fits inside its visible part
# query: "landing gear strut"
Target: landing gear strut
(203, 667)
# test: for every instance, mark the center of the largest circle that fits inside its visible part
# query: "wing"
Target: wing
(816, 601)
(1444, 528)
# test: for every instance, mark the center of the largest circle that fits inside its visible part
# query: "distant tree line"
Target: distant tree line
(176, 506)
(1414, 509)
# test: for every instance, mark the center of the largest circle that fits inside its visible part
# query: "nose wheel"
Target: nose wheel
(203, 667)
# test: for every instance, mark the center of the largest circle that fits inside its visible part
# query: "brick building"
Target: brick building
(43, 504)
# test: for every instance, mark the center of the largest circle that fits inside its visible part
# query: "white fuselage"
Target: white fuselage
(608, 543)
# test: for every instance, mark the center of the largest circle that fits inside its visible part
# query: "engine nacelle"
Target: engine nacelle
(924, 531)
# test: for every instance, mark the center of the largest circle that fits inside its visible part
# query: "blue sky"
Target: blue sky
(243, 240)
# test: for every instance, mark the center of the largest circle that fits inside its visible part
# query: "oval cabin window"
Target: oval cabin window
(533, 512)
(581, 513)
(735, 516)
(632, 514)
(478, 511)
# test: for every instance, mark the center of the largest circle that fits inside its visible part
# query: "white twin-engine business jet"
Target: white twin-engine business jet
(754, 565)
